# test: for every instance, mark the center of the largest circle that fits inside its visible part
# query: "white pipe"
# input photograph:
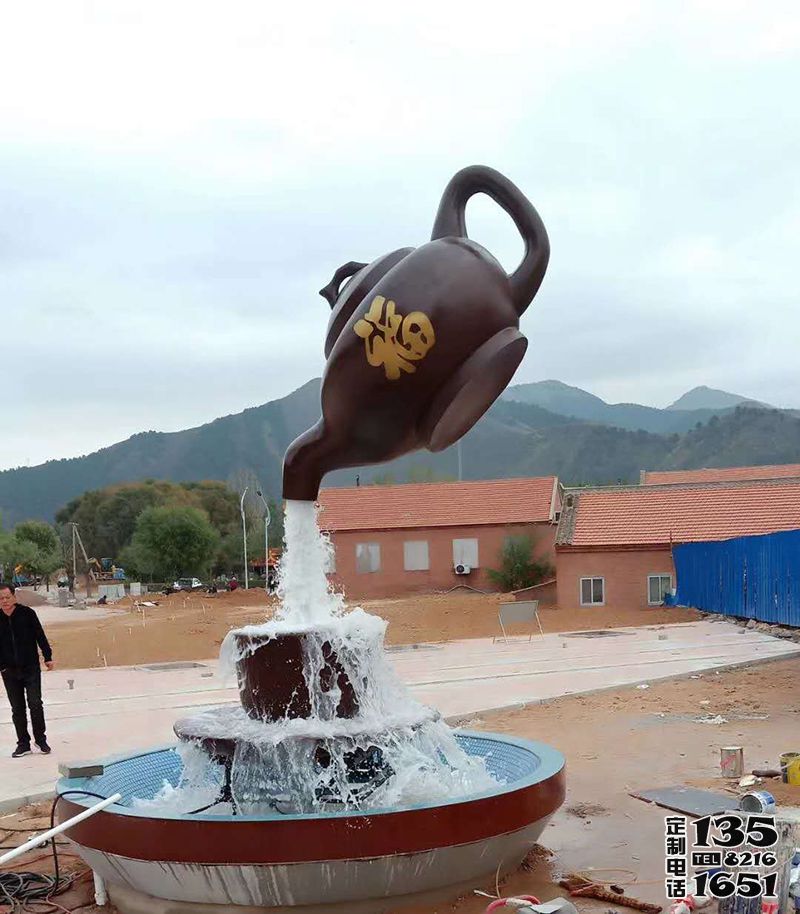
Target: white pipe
(51, 833)
(100, 894)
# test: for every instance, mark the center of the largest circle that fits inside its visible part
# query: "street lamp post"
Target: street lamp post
(244, 535)
(266, 540)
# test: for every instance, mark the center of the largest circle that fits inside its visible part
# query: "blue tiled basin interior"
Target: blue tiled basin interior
(514, 763)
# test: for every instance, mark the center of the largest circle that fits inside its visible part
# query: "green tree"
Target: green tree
(518, 567)
(83, 512)
(47, 555)
(42, 535)
(218, 501)
(276, 530)
(107, 517)
(14, 552)
(229, 557)
(116, 515)
(170, 542)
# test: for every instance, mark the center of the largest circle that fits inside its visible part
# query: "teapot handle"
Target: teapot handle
(331, 292)
(450, 222)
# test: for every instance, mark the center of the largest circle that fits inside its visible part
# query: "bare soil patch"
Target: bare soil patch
(630, 739)
(192, 626)
(30, 597)
(448, 617)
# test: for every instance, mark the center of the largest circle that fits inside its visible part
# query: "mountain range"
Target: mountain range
(535, 429)
(697, 405)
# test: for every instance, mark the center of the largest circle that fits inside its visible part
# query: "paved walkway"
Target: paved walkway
(115, 710)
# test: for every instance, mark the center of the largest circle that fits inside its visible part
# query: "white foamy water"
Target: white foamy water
(308, 764)
(305, 595)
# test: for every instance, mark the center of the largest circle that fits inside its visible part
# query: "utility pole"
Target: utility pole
(244, 536)
(266, 539)
(76, 537)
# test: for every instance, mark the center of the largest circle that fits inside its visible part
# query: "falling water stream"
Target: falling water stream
(406, 753)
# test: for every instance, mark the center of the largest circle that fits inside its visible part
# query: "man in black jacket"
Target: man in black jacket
(21, 638)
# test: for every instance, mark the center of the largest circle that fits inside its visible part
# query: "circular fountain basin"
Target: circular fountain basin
(363, 861)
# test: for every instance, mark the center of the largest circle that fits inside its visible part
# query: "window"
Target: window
(465, 552)
(415, 555)
(368, 558)
(658, 586)
(593, 591)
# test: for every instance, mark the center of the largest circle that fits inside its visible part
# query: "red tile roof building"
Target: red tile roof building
(651, 516)
(724, 474)
(613, 545)
(409, 538)
(440, 504)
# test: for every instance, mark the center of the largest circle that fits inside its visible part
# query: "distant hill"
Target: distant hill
(746, 437)
(560, 398)
(698, 405)
(513, 439)
(253, 442)
(709, 398)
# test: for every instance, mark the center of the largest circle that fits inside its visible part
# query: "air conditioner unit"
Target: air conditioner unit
(462, 569)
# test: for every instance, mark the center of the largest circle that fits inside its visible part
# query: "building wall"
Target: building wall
(545, 593)
(625, 573)
(393, 579)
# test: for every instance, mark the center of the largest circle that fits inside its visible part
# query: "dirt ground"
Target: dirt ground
(634, 739)
(192, 626)
(616, 743)
(32, 597)
(22, 825)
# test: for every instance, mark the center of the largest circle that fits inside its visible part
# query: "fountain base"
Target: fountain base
(379, 884)
(314, 861)
(410, 883)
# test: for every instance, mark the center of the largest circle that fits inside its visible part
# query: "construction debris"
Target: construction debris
(749, 780)
(580, 887)
(690, 800)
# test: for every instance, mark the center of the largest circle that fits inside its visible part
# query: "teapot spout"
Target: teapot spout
(308, 459)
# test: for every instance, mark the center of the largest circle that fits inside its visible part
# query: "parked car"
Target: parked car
(188, 584)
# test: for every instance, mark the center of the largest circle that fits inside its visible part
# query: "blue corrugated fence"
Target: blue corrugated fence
(754, 577)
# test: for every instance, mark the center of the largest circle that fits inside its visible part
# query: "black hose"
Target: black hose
(67, 793)
(19, 889)
(216, 802)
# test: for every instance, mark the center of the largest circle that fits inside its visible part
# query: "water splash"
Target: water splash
(394, 752)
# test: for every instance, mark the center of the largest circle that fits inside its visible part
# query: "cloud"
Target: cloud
(176, 185)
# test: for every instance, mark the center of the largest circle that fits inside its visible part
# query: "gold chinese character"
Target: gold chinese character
(392, 340)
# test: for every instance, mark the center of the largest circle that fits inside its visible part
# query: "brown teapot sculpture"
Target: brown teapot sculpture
(421, 341)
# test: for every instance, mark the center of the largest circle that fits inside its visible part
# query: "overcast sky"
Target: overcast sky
(177, 180)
